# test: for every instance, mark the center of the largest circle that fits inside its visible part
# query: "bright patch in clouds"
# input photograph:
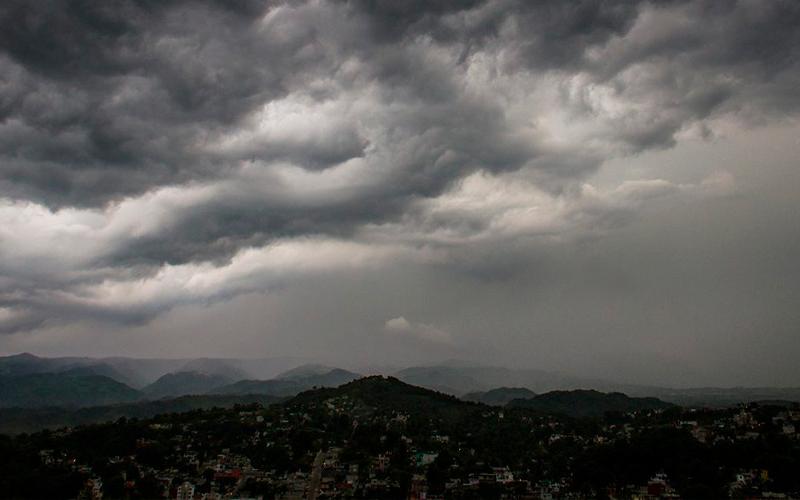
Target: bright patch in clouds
(402, 327)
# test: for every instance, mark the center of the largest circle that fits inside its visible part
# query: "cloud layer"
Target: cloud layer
(158, 154)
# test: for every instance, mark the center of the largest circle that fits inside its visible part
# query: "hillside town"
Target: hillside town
(379, 438)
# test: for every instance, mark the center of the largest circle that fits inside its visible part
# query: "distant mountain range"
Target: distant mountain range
(469, 380)
(291, 382)
(140, 372)
(319, 376)
(63, 389)
(183, 383)
(500, 396)
(217, 367)
(358, 395)
(461, 379)
(275, 387)
(30, 381)
(133, 372)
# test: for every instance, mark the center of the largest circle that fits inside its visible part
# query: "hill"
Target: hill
(63, 389)
(103, 369)
(23, 364)
(723, 397)
(312, 375)
(587, 403)
(386, 395)
(212, 366)
(451, 380)
(461, 379)
(267, 387)
(184, 383)
(130, 371)
(333, 378)
(303, 371)
(500, 396)
(19, 420)
(291, 382)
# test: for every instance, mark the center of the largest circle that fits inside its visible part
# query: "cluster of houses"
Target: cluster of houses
(199, 468)
(742, 425)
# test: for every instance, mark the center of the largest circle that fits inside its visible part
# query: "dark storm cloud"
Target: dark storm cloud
(103, 100)
(107, 99)
(182, 133)
(708, 58)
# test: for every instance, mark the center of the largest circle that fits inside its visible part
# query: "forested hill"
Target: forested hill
(500, 396)
(63, 389)
(586, 403)
(385, 394)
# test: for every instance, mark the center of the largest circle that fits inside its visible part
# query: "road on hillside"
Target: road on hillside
(316, 476)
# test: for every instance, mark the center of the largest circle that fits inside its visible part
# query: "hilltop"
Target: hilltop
(386, 394)
(587, 403)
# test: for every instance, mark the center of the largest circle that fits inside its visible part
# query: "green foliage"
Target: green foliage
(18, 420)
(586, 403)
(63, 389)
(383, 417)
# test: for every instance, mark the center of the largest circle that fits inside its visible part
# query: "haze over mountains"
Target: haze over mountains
(38, 392)
(374, 391)
(139, 372)
(29, 381)
(500, 396)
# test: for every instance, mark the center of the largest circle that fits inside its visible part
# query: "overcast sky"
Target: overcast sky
(601, 188)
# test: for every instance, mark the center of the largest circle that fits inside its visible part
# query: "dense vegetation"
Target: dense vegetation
(584, 403)
(500, 396)
(21, 420)
(63, 389)
(374, 417)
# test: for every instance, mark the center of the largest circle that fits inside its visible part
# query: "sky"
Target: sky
(605, 189)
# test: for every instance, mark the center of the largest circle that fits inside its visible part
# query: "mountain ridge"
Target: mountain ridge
(63, 389)
(499, 396)
(455, 377)
(184, 383)
(587, 403)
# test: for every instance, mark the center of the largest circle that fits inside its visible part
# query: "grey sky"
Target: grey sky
(606, 189)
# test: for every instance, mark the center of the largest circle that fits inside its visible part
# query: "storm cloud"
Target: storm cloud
(158, 155)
